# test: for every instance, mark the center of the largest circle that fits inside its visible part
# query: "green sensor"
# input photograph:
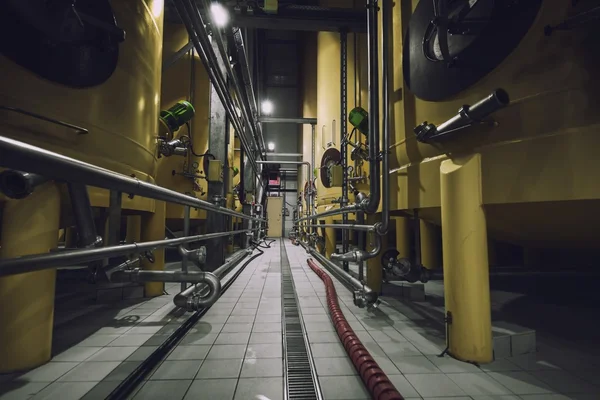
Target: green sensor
(178, 115)
(359, 119)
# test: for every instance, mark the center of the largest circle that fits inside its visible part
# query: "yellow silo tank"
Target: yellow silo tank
(120, 113)
(528, 179)
(176, 86)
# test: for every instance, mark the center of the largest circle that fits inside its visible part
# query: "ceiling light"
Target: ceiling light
(220, 15)
(267, 107)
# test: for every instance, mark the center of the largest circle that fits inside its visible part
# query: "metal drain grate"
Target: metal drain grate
(300, 376)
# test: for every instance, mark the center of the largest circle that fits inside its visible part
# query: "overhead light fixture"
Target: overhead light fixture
(220, 15)
(271, 146)
(267, 107)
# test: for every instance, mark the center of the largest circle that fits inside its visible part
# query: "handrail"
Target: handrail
(28, 158)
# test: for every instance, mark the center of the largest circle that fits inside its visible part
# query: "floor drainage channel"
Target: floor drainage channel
(300, 374)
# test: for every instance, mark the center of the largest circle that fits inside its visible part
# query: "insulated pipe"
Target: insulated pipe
(359, 255)
(55, 166)
(84, 216)
(187, 299)
(363, 295)
(18, 184)
(386, 32)
(371, 374)
(372, 203)
(38, 262)
(207, 278)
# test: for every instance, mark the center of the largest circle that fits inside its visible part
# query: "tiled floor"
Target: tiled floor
(235, 351)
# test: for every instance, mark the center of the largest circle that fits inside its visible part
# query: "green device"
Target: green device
(178, 115)
(359, 118)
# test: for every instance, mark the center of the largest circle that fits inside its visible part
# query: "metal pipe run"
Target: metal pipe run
(386, 32)
(359, 255)
(372, 203)
(55, 166)
(195, 297)
(364, 296)
(207, 278)
(19, 184)
(352, 208)
(285, 154)
(84, 216)
(352, 227)
(343, 129)
(191, 18)
(38, 262)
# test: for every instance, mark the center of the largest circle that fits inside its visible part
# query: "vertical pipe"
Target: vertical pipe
(153, 228)
(374, 166)
(466, 269)
(84, 216)
(360, 220)
(29, 226)
(386, 32)
(343, 131)
(374, 276)
(134, 229)
(329, 238)
(186, 232)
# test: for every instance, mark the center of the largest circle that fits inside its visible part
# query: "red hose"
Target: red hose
(373, 377)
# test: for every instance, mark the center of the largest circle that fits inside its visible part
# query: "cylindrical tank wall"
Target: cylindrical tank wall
(120, 114)
(535, 160)
(176, 86)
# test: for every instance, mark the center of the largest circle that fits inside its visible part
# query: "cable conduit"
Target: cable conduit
(376, 381)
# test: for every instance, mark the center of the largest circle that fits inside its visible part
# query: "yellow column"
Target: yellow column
(466, 270)
(374, 269)
(153, 228)
(329, 238)
(134, 229)
(403, 237)
(29, 226)
(430, 245)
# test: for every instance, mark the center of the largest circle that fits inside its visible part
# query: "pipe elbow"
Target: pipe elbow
(194, 301)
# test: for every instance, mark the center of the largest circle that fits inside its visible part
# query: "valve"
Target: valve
(403, 268)
(174, 147)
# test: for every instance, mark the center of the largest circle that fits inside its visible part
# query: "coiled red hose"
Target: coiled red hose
(373, 377)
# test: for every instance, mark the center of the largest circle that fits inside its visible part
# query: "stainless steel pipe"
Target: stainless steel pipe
(364, 296)
(15, 154)
(39, 262)
(19, 184)
(195, 297)
(359, 255)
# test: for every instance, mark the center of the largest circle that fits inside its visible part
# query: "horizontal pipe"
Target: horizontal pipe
(39, 262)
(19, 184)
(15, 154)
(359, 255)
(279, 120)
(193, 298)
(366, 296)
(284, 154)
(352, 208)
(353, 227)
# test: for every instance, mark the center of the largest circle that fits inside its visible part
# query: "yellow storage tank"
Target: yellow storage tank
(104, 79)
(109, 87)
(328, 110)
(185, 173)
(538, 181)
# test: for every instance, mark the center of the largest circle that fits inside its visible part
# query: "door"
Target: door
(274, 208)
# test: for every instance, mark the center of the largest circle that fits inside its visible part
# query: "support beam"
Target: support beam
(466, 269)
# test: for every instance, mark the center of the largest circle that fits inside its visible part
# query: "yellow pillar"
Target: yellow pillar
(466, 269)
(403, 237)
(329, 238)
(430, 245)
(29, 226)
(374, 269)
(134, 229)
(153, 228)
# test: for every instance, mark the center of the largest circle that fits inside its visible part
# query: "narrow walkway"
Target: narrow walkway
(235, 351)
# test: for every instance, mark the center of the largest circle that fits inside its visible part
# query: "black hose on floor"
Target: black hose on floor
(132, 381)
